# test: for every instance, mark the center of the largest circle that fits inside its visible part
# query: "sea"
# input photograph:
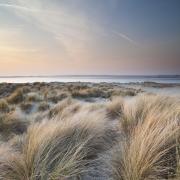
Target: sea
(91, 78)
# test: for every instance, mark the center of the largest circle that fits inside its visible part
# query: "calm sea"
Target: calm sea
(94, 79)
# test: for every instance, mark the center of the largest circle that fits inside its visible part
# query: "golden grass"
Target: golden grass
(66, 137)
(58, 149)
(70, 110)
(33, 97)
(43, 106)
(4, 107)
(12, 123)
(115, 107)
(124, 93)
(16, 97)
(56, 98)
(178, 158)
(148, 151)
(89, 92)
(26, 107)
(136, 109)
(58, 108)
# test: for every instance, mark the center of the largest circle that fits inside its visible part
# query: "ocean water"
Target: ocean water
(93, 79)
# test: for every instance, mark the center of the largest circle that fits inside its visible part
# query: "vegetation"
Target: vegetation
(16, 97)
(33, 97)
(59, 149)
(89, 92)
(49, 132)
(115, 108)
(12, 123)
(149, 149)
(4, 107)
(57, 98)
(26, 107)
(43, 106)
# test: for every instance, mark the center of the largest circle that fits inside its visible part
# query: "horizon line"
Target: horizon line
(92, 75)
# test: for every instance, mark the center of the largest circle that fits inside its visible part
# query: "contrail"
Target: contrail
(28, 9)
(125, 37)
(16, 7)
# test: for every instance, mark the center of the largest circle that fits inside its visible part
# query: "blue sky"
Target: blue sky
(48, 37)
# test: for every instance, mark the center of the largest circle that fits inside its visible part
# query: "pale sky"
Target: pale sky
(57, 37)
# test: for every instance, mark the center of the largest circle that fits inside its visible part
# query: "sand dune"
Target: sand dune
(51, 131)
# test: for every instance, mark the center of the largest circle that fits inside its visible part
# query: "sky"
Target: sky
(82, 37)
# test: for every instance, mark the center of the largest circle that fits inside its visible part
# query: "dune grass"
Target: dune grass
(124, 93)
(178, 161)
(58, 108)
(26, 107)
(43, 106)
(4, 107)
(57, 98)
(16, 97)
(33, 97)
(12, 123)
(115, 108)
(89, 92)
(49, 132)
(148, 149)
(59, 150)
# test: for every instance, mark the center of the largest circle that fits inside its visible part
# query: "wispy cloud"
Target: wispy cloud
(73, 31)
(21, 6)
(83, 35)
(70, 31)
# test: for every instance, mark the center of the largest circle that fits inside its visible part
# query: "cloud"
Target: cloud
(75, 32)
(69, 30)
(27, 7)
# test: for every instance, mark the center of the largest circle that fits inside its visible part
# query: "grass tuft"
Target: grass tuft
(16, 97)
(59, 150)
(11, 124)
(115, 108)
(148, 149)
(4, 107)
(26, 107)
(43, 106)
